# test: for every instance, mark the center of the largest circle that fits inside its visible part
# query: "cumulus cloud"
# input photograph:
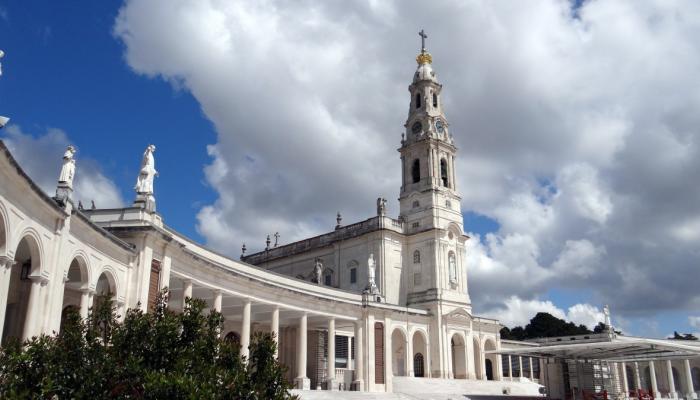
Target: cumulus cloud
(518, 312)
(41, 158)
(577, 134)
(694, 322)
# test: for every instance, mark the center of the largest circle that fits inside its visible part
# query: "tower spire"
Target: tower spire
(424, 57)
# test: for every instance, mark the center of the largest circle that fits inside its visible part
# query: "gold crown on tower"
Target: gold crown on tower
(424, 58)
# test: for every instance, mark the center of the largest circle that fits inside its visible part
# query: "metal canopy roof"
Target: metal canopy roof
(618, 348)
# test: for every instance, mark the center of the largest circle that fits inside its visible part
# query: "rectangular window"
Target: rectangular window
(415, 224)
(341, 351)
(328, 280)
(353, 275)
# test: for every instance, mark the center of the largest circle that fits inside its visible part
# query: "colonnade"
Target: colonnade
(688, 389)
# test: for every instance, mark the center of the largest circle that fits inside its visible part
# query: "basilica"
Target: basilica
(375, 305)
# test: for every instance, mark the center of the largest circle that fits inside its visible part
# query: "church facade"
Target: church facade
(354, 308)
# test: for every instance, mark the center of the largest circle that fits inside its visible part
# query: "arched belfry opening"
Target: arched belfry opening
(415, 170)
(444, 175)
(418, 101)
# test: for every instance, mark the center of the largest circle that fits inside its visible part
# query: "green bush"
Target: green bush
(155, 355)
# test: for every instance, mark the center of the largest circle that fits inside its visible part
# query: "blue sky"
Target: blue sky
(273, 117)
(64, 69)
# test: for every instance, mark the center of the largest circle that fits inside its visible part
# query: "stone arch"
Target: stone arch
(420, 353)
(77, 281)
(459, 360)
(106, 286)
(398, 351)
(27, 264)
(477, 357)
(233, 337)
(490, 344)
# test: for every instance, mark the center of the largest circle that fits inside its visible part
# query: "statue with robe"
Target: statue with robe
(144, 183)
(381, 206)
(371, 273)
(318, 270)
(68, 168)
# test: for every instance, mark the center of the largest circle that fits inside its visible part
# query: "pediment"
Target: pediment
(459, 314)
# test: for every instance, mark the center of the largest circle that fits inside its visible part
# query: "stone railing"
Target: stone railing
(340, 233)
(344, 378)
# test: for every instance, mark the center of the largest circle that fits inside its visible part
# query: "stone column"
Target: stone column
(5, 274)
(520, 363)
(330, 379)
(165, 271)
(654, 386)
(245, 330)
(532, 373)
(689, 390)
(625, 386)
(388, 355)
(186, 292)
(510, 367)
(450, 368)
(637, 380)
(409, 355)
(358, 382)
(218, 300)
(275, 329)
(671, 384)
(33, 313)
(301, 381)
(85, 301)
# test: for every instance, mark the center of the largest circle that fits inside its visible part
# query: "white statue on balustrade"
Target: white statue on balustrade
(144, 183)
(65, 179)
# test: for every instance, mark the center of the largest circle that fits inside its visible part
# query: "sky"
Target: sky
(576, 124)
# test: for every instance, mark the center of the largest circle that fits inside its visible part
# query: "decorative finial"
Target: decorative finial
(80, 205)
(338, 220)
(424, 57)
(267, 243)
(92, 207)
(277, 237)
(243, 249)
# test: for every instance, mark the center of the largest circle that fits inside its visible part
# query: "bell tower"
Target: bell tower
(435, 267)
(429, 197)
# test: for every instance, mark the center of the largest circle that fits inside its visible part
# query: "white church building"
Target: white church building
(370, 306)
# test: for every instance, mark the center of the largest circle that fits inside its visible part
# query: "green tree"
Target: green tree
(153, 355)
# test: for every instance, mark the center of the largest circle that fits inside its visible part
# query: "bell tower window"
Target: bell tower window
(418, 101)
(415, 170)
(435, 104)
(443, 173)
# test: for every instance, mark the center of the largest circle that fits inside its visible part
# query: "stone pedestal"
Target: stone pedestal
(145, 201)
(302, 383)
(331, 384)
(64, 192)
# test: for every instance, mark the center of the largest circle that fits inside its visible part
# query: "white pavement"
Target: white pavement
(434, 389)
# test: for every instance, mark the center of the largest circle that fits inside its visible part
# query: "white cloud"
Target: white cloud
(694, 322)
(518, 312)
(40, 157)
(577, 135)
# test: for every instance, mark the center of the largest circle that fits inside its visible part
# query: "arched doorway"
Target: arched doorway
(459, 361)
(489, 370)
(420, 355)
(419, 365)
(105, 289)
(77, 282)
(477, 358)
(27, 265)
(491, 359)
(398, 352)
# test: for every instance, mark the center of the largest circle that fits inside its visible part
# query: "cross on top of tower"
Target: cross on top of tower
(423, 36)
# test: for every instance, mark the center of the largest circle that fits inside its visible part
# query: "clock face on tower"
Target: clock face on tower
(416, 128)
(439, 125)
